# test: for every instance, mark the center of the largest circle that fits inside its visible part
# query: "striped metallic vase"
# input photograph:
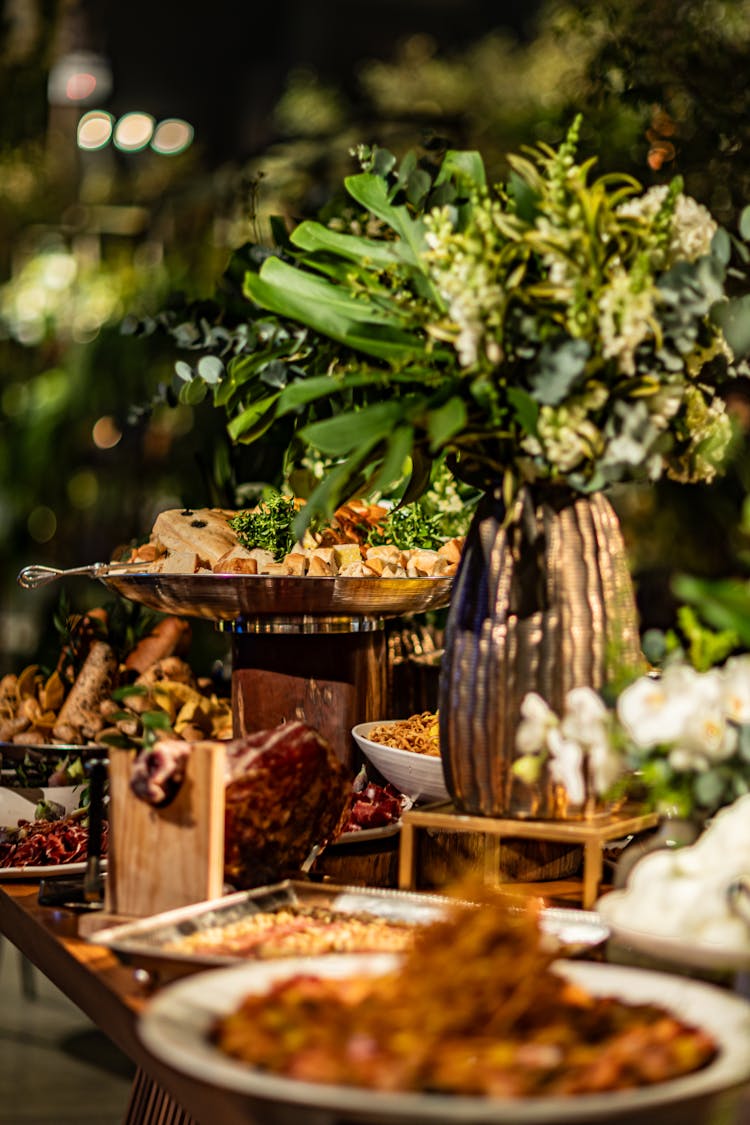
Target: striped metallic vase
(543, 602)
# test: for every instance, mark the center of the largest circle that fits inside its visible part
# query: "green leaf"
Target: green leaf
(371, 192)
(314, 237)
(723, 603)
(709, 788)
(338, 436)
(338, 485)
(331, 310)
(397, 453)
(525, 408)
(466, 167)
(421, 470)
(446, 421)
(733, 317)
(721, 246)
(192, 393)
(744, 223)
(417, 187)
(240, 427)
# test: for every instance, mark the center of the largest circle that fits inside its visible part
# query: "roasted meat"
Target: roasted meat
(285, 792)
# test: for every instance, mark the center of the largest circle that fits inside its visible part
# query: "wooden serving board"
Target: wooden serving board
(160, 859)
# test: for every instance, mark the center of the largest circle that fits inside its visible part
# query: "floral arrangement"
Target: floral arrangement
(682, 736)
(559, 327)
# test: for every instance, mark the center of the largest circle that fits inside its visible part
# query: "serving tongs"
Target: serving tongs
(33, 576)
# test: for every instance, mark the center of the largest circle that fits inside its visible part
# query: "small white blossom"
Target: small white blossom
(566, 766)
(693, 228)
(735, 688)
(626, 319)
(537, 720)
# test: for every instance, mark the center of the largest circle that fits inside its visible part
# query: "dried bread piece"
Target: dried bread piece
(237, 560)
(181, 562)
(319, 568)
(205, 531)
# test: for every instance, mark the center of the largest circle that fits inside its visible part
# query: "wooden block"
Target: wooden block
(160, 859)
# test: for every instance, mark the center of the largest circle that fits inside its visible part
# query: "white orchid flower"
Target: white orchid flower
(654, 710)
(537, 720)
(706, 738)
(566, 766)
(585, 716)
(735, 686)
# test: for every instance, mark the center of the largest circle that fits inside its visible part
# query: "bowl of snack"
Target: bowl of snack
(406, 752)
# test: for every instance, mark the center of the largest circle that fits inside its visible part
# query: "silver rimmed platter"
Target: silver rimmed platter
(148, 943)
(177, 1024)
(226, 597)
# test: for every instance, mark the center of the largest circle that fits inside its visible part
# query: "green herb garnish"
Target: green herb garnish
(269, 526)
(409, 527)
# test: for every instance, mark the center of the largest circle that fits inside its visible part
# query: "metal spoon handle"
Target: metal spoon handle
(33, 576)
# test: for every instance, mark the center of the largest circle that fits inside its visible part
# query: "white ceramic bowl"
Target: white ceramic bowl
(419, 776)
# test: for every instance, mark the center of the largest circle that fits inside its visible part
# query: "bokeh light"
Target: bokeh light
(83, 489)
(105, 434)
(95, 129)
(171, 136)
(80, 86)
(133, 131)
(42, 524)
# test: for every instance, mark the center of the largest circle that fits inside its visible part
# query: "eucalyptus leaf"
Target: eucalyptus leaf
(210, 369)
(733, 317)
(744, 223)
(274, 374)
(184, 371)
(559, 366)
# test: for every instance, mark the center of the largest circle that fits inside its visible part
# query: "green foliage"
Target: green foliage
(554, 328)
(269, 525)
(409, 527)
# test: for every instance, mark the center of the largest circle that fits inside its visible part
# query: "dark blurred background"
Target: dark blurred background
(140, 143)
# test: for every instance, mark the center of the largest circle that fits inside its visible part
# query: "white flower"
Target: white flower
(566, 766)
(693, 228)
(537, 721)
(586, 722)
(626, 315)
(735, 689)
(654, 711)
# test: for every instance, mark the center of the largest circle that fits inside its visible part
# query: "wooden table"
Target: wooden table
(111, 996)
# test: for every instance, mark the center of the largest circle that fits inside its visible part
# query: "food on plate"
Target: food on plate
(298, 931)
(361, 540)
(474, 1007)
(48, 843)
(686, 892)
(285, 792)
(97, 694)
(373, 806)
(418, 733)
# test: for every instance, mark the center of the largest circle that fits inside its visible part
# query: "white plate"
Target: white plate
(46, 871)
(14, 806)
(419, 776)
(176, 1024)
(681, 950)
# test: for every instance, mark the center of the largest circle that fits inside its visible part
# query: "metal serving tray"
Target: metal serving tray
(141, 943)
(225, 597)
